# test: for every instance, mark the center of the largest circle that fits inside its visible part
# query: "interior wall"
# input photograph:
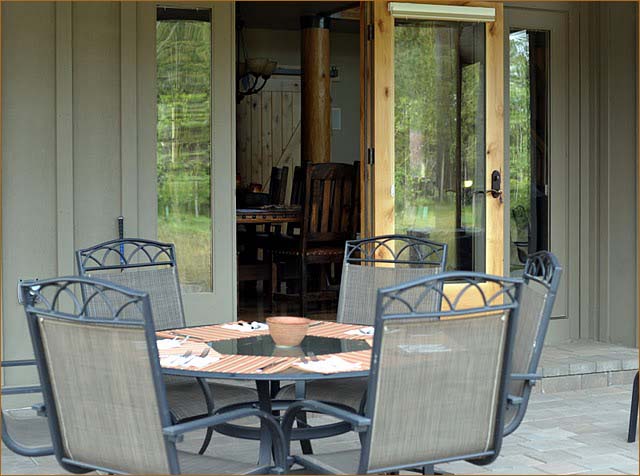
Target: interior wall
(284, 47)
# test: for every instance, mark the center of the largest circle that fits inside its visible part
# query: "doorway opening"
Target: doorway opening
(272, 110)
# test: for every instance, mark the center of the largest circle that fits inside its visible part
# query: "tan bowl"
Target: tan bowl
(287, 331)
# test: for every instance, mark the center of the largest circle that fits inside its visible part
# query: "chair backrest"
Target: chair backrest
(437, 388)
(297, 194)
(24, 431)
(278, 185)
(146, 265)
(328, 203)
(101, 378)
(380, 262)
(541, 277)
(297, 186)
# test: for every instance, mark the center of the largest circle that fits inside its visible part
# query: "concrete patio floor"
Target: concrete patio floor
(576, 432)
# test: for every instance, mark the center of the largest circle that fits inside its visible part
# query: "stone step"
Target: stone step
(583, 364)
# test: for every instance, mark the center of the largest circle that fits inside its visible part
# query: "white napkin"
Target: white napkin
(164, 344)
(246, 327)
(191, 361)
(331, 365)
(364, 331)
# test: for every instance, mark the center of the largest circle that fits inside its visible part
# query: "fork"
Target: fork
(272, 364)
(313, 357)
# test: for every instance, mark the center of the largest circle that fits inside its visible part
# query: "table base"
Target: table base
(305, 433)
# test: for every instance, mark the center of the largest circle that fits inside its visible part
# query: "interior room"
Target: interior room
(272, 108)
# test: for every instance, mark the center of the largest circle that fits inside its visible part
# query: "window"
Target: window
(183, 56)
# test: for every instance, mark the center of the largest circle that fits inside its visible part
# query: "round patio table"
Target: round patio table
(254, 356)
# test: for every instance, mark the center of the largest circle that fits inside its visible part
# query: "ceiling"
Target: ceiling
(286, 15)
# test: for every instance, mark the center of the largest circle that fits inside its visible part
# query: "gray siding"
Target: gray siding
(28, 159)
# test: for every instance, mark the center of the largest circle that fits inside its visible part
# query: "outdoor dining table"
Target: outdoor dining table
(251, 355)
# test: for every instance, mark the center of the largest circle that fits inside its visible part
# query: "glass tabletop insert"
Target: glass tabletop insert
(264, 345)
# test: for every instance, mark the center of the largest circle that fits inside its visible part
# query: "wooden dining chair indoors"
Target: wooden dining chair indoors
(278, 185)
(326, 226)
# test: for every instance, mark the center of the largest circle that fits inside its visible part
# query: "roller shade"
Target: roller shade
(421, 11)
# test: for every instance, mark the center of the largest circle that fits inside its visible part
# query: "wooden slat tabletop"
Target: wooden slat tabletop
(250, 364)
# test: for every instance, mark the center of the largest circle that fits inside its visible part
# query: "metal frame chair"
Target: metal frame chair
(541, 278)
(420, 357)
(109, 260)
(11, 433)
(633, 414)
(151, 266)
(102, 383)
(410, 258)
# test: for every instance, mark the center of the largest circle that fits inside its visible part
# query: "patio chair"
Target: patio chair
(541, 277)
(102, 386)
(633, 414)
(150, 266)
(371, 264)
(24, 431)
(437, 387)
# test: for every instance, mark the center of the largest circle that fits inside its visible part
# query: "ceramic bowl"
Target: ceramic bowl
(288, 331)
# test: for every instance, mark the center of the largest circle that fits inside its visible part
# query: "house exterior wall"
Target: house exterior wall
(78, 150)
(609, 143)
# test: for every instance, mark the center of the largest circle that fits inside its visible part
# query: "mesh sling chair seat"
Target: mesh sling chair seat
(102, 384)
(438, 382)
(541, 276)
(150, 266)
(370, 264)
(24, 430)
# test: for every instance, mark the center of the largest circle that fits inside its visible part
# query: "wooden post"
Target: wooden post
(316, 93)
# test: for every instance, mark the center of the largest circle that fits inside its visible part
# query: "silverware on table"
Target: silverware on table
(272, 364)
(313, 357)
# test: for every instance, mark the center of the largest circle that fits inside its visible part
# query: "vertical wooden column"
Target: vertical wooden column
(316, 93)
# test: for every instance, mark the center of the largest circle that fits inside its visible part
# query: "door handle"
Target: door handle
(496, 185)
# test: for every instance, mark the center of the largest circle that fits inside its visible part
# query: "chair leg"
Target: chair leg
(633, 414)
(303, 287)
(305, 445)
(208, 397)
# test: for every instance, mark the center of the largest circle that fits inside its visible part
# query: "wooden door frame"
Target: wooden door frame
(383, 125)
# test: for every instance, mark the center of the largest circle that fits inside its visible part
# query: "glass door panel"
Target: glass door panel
(528, 145)
(438, 133)
(439, 142)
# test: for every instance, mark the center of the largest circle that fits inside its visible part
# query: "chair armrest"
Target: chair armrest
(17, 363)
(175, 432)
(41, 409)
(513, 400)
(532, 378)
(19, 448)
(358, 423)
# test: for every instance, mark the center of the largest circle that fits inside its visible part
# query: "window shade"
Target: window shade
(421, 11)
